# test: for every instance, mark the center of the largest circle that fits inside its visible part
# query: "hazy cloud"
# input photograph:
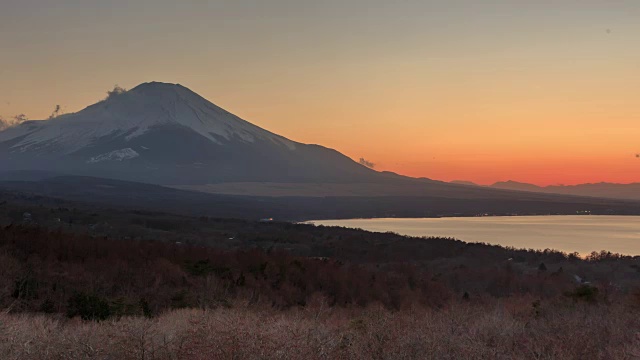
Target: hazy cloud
(117, 90)
(56, 112)
(12, 121)
(367, 163)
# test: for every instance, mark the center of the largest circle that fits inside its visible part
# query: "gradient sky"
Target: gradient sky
(541, 91)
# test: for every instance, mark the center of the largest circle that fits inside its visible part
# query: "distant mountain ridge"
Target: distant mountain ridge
(602, 190)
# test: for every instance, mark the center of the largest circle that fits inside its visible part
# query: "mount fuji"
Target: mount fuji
(167, 134)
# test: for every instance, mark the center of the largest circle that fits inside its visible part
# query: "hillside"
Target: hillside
(432, 201)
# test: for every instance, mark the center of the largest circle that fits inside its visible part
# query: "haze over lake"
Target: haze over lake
(582, 234)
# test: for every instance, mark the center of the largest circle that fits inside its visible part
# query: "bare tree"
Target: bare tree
(56, 112)
(366, 163)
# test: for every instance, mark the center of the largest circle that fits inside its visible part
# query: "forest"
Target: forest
(104, 283)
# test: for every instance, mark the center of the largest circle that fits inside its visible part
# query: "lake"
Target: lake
(582, 234)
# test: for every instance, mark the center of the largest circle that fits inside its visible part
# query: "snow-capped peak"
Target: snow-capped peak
(133, 113)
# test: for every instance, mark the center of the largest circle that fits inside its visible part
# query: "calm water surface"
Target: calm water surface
(582, 234)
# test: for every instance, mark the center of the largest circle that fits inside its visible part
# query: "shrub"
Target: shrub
(26, 288)
(48, 307)
(88, 307)
(146, 309)
(584, 292)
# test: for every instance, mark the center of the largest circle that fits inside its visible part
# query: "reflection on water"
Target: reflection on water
(582, 234)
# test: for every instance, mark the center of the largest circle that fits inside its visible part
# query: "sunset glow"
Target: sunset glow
(541, 92)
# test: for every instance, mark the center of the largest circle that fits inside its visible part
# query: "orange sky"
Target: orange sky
(544, 93)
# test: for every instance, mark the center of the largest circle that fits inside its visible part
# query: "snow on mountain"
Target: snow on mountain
(132, 114)
(116, 155)
(167, 134)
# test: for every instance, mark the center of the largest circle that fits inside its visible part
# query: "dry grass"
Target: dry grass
(499, 329)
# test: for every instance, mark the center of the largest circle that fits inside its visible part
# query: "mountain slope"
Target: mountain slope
(167, 134)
